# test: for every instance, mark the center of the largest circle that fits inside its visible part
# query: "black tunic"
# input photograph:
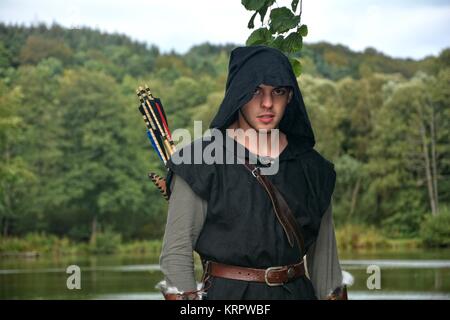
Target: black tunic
(241, 227)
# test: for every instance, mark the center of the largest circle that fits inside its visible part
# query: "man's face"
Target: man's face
(266, 109)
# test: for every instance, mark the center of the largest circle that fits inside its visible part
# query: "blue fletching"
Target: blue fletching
(153, 144)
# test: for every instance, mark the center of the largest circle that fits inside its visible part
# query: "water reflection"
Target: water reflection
(417, 275)
(421, 264)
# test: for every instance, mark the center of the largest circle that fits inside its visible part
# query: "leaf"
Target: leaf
(253, 4)
(251, 23)
(282, 20)
(263, 12)
(294, 5)
(303, 30)
(293, 42)
(260, 6)
(259, 36)
(277, 42)
(296, 66)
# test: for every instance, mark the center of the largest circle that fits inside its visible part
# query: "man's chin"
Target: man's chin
(265, 128)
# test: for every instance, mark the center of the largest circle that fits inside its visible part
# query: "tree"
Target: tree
(326, 113)
(38, 48)
(39, 146)
(411, 142)
(103, 167)
(15, 175)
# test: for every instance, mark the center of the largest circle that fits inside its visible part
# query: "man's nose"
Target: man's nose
(267, 101)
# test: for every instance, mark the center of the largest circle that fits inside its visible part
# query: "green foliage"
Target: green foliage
(293, 42)
(351, 174)
(435, 230)
(303, 29)
(360, 237)
(96, 178)
(106, 242)
(208, 59)
(38, 48)
(255, 4)
(5, 57)
(324, 109)
(36, 243)
(405, 215)
(259, 36)
(73, 147)
(281, 21)
(15, 173)
(152, 248)
(190, 93)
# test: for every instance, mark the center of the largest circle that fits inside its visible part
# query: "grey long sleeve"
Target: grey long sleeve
(186, 216)
(322, 259)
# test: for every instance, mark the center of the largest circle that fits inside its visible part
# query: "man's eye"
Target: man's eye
(257, 91)
(279, 91)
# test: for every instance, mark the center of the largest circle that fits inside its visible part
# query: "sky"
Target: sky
(399, 28)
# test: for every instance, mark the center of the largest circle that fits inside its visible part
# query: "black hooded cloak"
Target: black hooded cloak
(241, 227)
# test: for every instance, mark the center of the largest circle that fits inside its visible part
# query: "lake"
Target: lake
(414, 274)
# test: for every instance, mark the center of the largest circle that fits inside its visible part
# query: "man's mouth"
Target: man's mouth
(266, 118)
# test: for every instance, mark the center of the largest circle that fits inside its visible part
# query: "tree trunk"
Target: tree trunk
(5, 227)
(433, 158)
(355, 196)
(94, 230)
(427, 168)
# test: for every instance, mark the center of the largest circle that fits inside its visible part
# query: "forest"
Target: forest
(74, 156)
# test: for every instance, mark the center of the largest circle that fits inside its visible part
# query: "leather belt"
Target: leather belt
(273, 276)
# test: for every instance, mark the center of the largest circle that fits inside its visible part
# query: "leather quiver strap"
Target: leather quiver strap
(281, 209)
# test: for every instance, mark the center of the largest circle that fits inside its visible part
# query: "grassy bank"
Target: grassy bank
(349, 238)
(42, 244)
(434, 233)
(360, 237)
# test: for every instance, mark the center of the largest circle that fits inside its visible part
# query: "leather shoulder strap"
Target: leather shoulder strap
(281, 209)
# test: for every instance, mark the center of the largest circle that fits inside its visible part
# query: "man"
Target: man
(227, 214)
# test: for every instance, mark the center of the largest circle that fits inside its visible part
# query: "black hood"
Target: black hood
(252, 66)
(305, 178)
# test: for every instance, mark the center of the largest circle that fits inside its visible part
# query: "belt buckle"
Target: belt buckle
(272, 284)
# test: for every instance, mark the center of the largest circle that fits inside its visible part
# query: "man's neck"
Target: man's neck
(271, 146)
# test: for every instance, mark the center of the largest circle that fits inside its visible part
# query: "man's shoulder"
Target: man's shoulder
(187, 162)
(315, 159)
(193, 149)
